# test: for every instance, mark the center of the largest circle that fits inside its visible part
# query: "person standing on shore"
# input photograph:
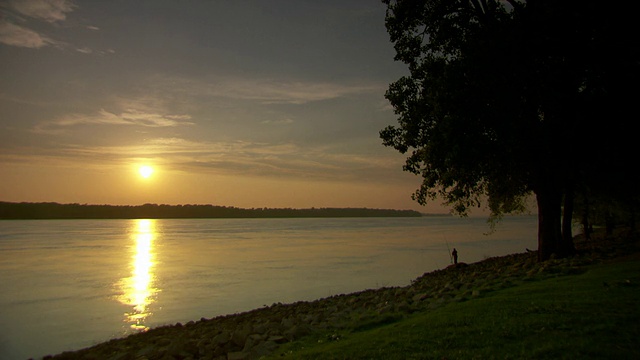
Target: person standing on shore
(454, 253)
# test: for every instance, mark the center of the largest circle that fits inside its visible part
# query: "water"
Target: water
(69, 284)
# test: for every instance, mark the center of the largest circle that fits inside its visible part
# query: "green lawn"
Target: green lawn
(593, 315)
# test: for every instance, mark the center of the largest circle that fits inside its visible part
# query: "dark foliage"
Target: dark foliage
(509, 98)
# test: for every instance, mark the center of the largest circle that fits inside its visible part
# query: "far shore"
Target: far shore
(51, 210)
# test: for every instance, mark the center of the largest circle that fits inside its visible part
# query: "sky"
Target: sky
(273, 103)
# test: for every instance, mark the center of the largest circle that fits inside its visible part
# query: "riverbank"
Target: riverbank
(275, 330)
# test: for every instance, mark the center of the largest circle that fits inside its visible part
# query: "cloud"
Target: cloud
(284, 160)
(185, 165)
(129, 117)
(15, 35)
(23, 11)
(265, 91)
(283, 92)
(245, 158)
(227, 158)
(278, 122)
(47, 10)
(385, 105)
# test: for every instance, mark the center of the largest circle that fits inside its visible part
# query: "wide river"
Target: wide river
(69, 284)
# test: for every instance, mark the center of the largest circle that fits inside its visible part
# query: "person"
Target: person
(454, 253)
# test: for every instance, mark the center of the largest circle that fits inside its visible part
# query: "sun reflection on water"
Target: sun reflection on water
(138, 290)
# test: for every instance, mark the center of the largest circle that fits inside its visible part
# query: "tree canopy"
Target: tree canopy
(509, 98)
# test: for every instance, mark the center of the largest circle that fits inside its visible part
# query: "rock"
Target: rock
(241, 333)
(420, 297)
(222, 338)
(262, 349)
(147, 352)
(163, 342)
(124, 356)
(403, 307)
(297, 331)
(260, 328)
(177, 349)
(204, 347)
(238, 355)
(252, 341)
(287, 323)
(277, 339)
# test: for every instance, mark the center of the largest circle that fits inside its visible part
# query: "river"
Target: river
(69, 284)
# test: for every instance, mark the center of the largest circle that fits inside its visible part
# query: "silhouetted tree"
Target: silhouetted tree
(509, 98)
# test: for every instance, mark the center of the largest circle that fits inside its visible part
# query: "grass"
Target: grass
(593, 315)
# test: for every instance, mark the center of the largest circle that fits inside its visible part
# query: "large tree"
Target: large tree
(509, 98)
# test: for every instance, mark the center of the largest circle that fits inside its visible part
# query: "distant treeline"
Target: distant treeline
(51, 210)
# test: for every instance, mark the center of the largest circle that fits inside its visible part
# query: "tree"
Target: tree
(509, 98)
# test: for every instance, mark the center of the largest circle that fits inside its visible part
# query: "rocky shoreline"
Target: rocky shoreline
(256, 333)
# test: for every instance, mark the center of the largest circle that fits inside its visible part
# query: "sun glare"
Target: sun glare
(138, 289)
(145, 171)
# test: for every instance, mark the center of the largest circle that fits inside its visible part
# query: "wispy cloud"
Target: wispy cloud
(265, 91)
(19, 15)
(47, 10)
(264, 159)
(282, 92)
(15, 35)
(278, 122)
(129, 117)
(230, 158)
(385, 105)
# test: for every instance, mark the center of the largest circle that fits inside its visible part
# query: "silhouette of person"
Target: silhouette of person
(454, 253)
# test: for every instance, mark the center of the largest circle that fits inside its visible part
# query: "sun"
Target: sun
(145, 171)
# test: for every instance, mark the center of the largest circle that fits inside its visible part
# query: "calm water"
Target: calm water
(69, 284)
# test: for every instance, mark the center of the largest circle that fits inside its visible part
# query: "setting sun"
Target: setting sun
(145, 171)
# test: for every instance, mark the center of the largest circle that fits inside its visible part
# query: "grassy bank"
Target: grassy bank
(504, 307)
(591, 315)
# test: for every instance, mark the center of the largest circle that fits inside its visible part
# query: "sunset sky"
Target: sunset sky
(238, 103)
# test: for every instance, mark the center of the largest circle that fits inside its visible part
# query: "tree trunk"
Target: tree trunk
(609, 222)
(567, 247)
(586, 227)
(549, 217)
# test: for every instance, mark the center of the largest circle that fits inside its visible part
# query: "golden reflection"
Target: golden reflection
(138, 290)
